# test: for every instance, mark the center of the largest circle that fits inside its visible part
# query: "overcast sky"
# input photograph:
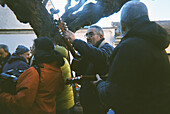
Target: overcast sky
(158, 10)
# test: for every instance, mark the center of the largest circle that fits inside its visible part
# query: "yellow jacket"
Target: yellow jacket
(66, 99)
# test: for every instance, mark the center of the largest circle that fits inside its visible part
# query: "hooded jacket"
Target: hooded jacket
(139, 76)
(65, 100)
(16, 62)
(35, 94)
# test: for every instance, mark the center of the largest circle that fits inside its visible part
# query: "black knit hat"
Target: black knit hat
(21, 49)
(43, 43)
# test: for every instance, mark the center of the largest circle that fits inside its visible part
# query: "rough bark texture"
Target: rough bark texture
(35, 13)
(91, 13)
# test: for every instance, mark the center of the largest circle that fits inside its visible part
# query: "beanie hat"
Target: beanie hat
(62, 50)
(21, 49)
(43, 43)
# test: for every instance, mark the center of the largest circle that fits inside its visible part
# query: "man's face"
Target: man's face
(92, 36)
(3, 54)
(26, 55)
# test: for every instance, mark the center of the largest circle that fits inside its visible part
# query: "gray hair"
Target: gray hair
(131, 11)
(5, 47)
(99, 30)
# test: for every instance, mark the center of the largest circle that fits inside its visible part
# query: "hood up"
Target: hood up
(150, 31)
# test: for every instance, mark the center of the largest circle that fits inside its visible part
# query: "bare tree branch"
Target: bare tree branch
(68, 5)
(45, 2)
(35, 13)
(91, 13)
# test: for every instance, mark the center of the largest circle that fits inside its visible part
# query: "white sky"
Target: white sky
(158, 10)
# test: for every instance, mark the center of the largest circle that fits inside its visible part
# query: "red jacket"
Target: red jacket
(36, 94)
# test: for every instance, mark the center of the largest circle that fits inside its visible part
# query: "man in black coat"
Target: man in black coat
(4, 55)
(95, 55)
(139, 77)
(19, 59)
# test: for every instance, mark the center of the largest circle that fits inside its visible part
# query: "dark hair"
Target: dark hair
(5, 47)
(99, 30)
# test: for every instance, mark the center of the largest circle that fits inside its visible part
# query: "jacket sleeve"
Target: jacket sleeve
(23, 66)
(91, 53)
(27, 86)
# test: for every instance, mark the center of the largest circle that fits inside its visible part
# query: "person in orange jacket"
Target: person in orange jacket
(37, 92)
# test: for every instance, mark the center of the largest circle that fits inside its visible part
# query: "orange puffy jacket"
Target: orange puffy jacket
(36, 94)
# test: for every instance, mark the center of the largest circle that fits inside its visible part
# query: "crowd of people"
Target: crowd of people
(137, 69)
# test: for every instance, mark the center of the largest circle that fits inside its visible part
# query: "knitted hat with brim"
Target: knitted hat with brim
(43, 43)
(21, 49)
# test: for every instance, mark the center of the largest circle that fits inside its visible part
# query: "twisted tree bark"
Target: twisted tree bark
(35, 13)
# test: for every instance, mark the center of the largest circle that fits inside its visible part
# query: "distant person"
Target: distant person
(37, 89)
(65, 101)
(4, 55)
(19, 59)
(95, 55)
(139, 77)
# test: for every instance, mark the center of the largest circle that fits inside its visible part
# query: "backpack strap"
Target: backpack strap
(38, 69)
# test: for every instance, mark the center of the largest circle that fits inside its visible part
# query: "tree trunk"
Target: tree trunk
(35, 13)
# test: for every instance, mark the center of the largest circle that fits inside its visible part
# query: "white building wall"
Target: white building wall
(14, 33)
(22, 37)
(13, 40)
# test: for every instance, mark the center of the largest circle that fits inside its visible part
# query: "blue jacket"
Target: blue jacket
(16, 62)
(139, 76)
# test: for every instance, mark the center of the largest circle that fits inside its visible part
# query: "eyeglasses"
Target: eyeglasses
(90, 34)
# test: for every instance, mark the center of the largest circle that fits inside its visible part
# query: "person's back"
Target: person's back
(143, 79)
(37, 91)
(65, 101)
(139, 77)
(50, 84)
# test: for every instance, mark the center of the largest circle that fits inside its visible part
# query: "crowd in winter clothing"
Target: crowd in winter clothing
(137, 70)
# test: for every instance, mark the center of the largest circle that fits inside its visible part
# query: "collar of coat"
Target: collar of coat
(98, 44)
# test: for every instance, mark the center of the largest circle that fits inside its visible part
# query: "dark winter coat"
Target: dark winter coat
(139, 77)
(95, 60)
(16, 62)
(3, 62)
